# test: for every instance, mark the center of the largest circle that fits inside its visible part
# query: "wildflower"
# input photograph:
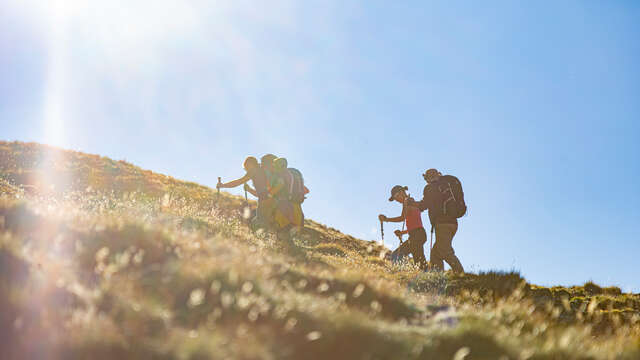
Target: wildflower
(226, 299)
(196, 298)
(102, 254)
(301, 284)
(376, 306)
(461, 353)
(358, 290)
(247, 287)
(314, 335)
(323, 287)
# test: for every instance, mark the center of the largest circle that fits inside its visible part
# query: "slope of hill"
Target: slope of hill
(100, 259)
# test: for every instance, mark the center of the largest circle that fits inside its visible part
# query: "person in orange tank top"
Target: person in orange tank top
(411, 215)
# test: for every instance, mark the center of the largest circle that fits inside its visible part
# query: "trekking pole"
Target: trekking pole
(399, 235)
(405, 221)
(382, 231)
(219, 182)
(430, 247)
(431, 242)
(246, 200)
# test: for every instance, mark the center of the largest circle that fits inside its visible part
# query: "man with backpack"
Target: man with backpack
(411, 215)
(444, 198)
(283, 189)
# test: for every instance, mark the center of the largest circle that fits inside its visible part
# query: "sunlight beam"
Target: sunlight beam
(57, 63)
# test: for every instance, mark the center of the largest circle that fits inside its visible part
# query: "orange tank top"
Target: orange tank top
(413, 218)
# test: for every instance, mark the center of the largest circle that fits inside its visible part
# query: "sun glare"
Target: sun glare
(89, 41)
(57, 67)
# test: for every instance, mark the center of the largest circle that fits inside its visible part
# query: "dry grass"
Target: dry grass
(113, 261)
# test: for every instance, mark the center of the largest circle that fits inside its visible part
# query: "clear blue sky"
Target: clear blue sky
(535, 106)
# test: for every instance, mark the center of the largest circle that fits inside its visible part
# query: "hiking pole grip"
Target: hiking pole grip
(431, 242)
(429, 266)
(399, 235)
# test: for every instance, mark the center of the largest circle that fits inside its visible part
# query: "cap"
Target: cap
(397, 189)
(430, 174)
(268, 158)
(280, 164)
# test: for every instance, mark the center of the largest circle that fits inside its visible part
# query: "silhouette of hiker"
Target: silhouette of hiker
(411, 216)
(284, 190)
(266, 163)
(444, 199)
(258, 177)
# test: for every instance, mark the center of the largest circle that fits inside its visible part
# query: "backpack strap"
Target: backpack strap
(291, 180)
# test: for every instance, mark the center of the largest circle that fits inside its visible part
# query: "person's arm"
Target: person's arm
(234, 183)
(250, 190)
(395, 219)
(423, 204)
(405, 207)
(399, 234)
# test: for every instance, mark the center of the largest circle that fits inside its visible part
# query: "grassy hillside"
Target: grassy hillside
(100, 259)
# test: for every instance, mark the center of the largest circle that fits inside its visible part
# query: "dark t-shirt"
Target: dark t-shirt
(259, 181)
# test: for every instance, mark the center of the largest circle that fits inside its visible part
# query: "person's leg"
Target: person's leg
(401, 252)
(280, 220)
(298, 216)
(284, 237)
(257, 220)
(436, 260)
(417, 238)
(444, 239)
(262, 212)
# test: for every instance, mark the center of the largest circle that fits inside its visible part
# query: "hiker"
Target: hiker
(444, 199)
(287, 211)
(258, 177)
(411, 216)
(288, 191)
(266, 163)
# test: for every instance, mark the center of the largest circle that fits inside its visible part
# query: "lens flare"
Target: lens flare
(54, 109)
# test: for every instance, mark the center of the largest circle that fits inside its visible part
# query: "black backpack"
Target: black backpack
(452, 196)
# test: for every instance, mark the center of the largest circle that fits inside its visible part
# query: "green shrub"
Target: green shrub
(592, 288)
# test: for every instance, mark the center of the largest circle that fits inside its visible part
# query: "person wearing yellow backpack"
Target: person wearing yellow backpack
(285, 189)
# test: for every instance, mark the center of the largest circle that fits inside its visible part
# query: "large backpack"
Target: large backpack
(452, 196)
(296, 185)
